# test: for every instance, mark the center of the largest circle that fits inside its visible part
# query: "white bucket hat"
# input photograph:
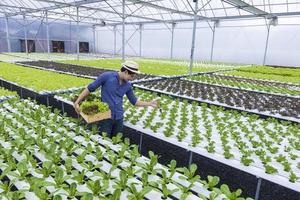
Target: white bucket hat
(131, 66)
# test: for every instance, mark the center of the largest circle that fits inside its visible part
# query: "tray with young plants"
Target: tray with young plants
(266, 104)
(77, 70)
(286, 75)
(31, 79)
(48, 156)
(157, 67)
(267, 148)
(6, 94)
(248, 84)
(93, 110)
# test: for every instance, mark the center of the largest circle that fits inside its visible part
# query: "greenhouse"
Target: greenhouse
(150, 99)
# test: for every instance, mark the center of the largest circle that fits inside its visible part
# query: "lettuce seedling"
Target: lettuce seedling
(167, 192)
(135, 195)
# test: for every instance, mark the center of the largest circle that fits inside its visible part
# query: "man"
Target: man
(114, 85)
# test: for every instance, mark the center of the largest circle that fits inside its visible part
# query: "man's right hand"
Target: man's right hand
(76, 107)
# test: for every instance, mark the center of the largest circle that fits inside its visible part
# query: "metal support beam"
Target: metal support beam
(258, 188)
(267, 43)
(213, 41)
(123, 30)
(7, 34)
(25, 34)
(115, 40)
(94, 38)
(47, 33)
(172, 39)
(77, 32)
(141, 31)
(193, 37)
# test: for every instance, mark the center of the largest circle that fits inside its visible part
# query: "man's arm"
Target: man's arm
(146, 103)
(81, 97)
(134, 101)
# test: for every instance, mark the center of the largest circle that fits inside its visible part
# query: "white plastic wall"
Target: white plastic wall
(235, 42)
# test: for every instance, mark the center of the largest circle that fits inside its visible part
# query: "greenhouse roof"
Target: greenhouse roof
(110, 12)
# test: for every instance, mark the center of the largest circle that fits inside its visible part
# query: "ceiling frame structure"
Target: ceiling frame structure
(96, 12)
(113, 13)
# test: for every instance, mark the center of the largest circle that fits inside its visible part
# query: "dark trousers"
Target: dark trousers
(111, 126)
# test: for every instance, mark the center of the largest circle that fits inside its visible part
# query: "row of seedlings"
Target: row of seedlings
(249, 84)
(266, 146)
(77, 70)
(266, 104)
(45, 155)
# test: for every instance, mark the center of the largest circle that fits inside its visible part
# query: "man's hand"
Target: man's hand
(153, 104)
(76, 107)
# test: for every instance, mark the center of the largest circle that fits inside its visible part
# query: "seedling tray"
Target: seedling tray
(97, 117)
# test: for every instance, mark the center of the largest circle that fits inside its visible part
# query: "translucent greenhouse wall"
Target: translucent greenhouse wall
(58, 31)
(240, 41)
(235, 41)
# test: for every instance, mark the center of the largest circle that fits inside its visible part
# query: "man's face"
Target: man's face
(129, 76)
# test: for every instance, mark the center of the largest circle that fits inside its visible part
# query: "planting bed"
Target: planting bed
(90, 72)
(39, 80)
(155, 67)
(249, 84)
(266, 104)
(285, 75)
(45, 155)
(6, 94)
(239, 142)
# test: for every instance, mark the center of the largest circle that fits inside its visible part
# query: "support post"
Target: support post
(7, 34)
(141, 143)
(47, 33)
(213, 41)
(193, 37)
(115, 40)
(258, 188)
(94, 38)
(267, 42)
(77, 31)
(172, 39)
(123, 30)
(141, 31)
(25, 34)
(191, 158)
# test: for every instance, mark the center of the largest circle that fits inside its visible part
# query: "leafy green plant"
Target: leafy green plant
(93, 107)
(212, 182)
(60, 178)
(150, 166)
(98, 187)
(166, 191)
(189, 173)
(135, 194)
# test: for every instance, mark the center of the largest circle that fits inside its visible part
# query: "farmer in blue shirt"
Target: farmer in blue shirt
(114, 85)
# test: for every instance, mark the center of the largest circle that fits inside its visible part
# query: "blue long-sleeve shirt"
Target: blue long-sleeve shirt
(112, 92)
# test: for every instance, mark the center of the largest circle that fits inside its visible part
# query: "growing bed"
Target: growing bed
(278, 74)
(266, 148)
(154, 67)
(46, 155)
(6, 94)
(77, 70)
(249, 84)
(283, 107)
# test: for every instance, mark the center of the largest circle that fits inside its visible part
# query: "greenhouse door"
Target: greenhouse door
(30, 46)
(84, 47)
(58, 46)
